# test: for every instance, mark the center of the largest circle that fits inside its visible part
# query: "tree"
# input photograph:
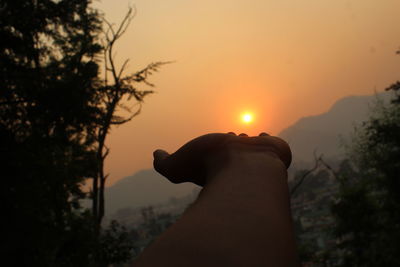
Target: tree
(115, 94)
(55, 114)
(368, 211)
(48, 110)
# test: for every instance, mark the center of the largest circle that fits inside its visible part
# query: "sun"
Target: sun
(247, 118)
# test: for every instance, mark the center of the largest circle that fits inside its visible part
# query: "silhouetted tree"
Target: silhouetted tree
(395, 87)
(368, 210)
(55, 114)
(48, 113)
(117, 93)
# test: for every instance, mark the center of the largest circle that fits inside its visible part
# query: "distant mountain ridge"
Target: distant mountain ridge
(146, 187)
(323, 132)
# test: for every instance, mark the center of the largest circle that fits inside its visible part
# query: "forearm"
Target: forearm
(241, 218)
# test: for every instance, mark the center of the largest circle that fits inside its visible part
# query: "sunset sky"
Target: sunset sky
(279, 60)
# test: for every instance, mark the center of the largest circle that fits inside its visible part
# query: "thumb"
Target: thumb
(159, 156)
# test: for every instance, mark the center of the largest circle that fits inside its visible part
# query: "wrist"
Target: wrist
(245, 165)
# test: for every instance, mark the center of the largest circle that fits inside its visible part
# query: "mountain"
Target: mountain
(324, 133)
(144, 188)
(321, 132)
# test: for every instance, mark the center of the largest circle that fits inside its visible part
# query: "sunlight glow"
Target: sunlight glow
(247, 117)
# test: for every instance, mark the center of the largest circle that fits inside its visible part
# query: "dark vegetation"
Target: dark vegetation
(354, 206)
(56, 110)
(367, 212)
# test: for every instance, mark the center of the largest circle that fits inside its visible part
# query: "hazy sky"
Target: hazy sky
(281, 60)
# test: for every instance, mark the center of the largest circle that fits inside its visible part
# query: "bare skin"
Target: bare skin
(242, 215)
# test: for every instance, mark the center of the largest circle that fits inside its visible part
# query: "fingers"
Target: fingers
(188, 163)
(243, 134)
(280, 146)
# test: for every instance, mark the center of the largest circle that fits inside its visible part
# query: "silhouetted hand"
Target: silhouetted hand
(211, 152)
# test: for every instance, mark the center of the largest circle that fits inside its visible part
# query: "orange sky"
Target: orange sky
(281, 60)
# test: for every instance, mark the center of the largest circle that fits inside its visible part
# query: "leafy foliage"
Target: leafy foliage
(55, 113)
(47, 117)
(116, 244)
(368, 213)
(115, 94)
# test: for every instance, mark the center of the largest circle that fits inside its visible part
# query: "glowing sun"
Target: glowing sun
(247, 118)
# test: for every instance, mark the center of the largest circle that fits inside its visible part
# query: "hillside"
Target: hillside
(144, 188)
(321, 132)
(325, 132)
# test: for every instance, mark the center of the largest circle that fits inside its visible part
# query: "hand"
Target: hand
(194, 160)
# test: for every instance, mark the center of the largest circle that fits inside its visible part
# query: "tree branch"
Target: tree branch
(317, 160)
